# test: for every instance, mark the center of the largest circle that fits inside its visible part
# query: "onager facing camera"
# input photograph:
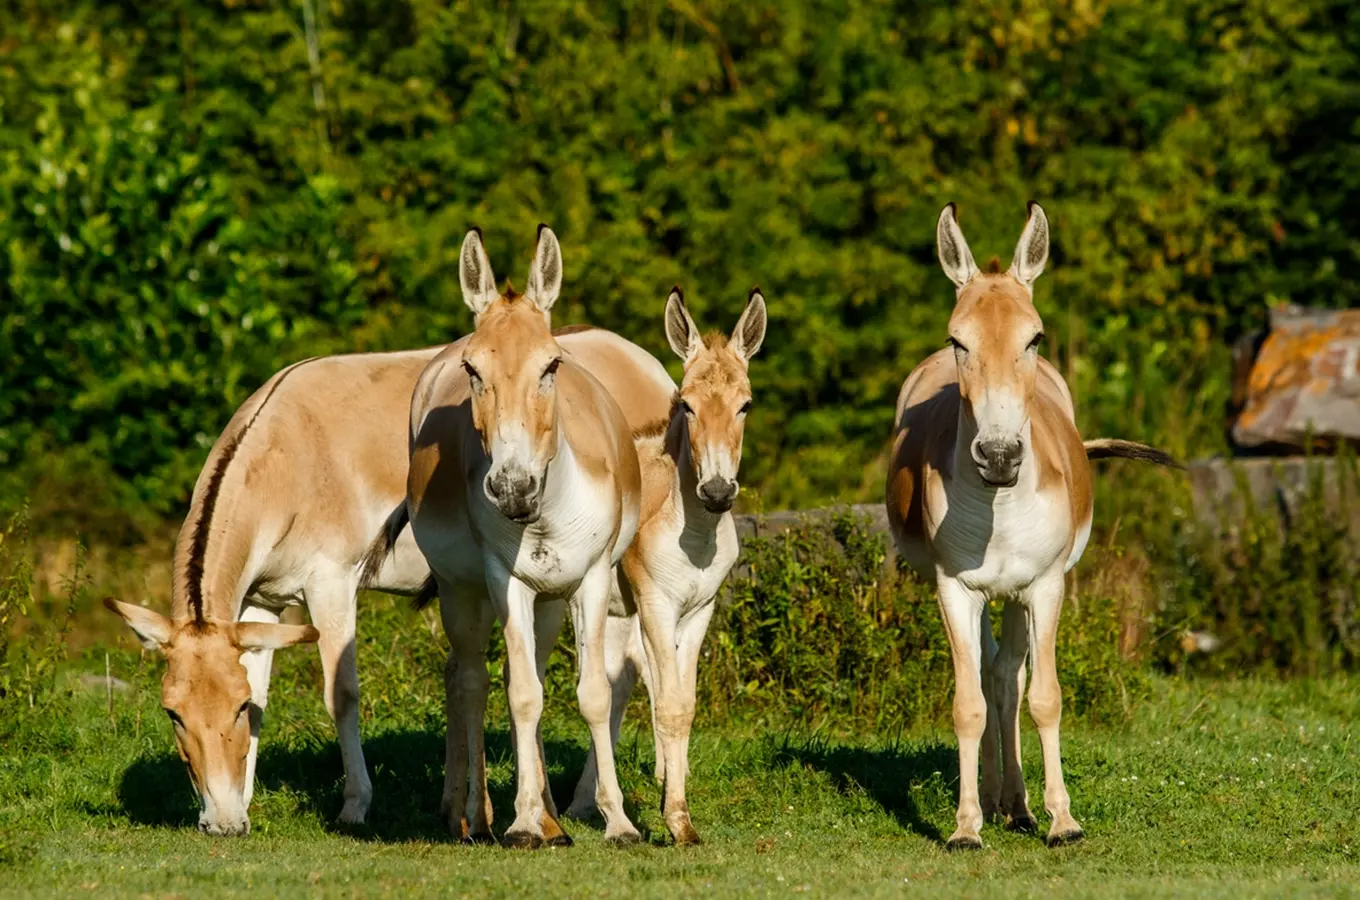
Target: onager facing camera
(686, 544)
(989, 493)
(523, 494)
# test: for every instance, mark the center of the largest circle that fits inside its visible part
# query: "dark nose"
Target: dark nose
(515, 497)
(998, 461)
(718, 494)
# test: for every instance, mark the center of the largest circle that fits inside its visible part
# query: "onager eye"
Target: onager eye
(1038, 339)
(473, 376)
(174, 718)
(745, 408)
(689, 410)
(958, 347)
(245, 708)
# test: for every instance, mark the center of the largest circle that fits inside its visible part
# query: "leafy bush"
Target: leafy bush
(192, 197)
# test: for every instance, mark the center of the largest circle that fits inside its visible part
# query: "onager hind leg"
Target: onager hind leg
(1045, 703)
(332, 605)
(467, 618)
(991, 742)
(962, 610)
(1008, 679)
(623, 664)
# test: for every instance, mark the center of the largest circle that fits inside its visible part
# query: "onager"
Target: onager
(989, 492)
(685, 546)
(523, 494)
(290, 497)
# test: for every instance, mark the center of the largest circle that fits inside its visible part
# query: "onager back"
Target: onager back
(989, 493)
(523, 494)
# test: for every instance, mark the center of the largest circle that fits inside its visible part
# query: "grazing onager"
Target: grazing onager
(686, 543)
(989, 493)
(523, 493)
(282, 513)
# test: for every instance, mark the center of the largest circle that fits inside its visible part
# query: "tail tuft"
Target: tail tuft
(1111, 448)
(372, 562)
(428, 593)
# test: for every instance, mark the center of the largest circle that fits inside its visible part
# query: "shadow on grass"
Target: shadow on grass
(407, 768)
(885, 774)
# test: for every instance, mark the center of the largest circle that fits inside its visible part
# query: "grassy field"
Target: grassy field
(1214, 789)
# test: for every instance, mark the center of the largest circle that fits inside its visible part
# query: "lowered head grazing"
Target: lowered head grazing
(207, 697)
(715, 394)
(995, 332)
(511, 365)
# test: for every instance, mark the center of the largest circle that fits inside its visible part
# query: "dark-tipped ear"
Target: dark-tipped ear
(271, 636)
(151, 628)
(475, 275)
(1031, 252)
(545, 274)
(955, 257)
(750, 331)
(681, 331)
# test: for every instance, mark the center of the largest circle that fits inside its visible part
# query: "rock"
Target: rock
(1303, 384)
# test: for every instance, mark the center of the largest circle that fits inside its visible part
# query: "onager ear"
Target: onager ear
(955, 257)
(1031, 253)
(681, 331)
(474, 274)
(750, 331)
(151, 628)
(545, 275)
(269, 636)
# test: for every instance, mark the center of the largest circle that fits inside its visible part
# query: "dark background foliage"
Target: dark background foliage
(193, 195)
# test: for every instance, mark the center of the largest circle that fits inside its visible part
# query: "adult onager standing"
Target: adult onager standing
(686, 543)
(286, 505)
(989, 493)
(523, 494)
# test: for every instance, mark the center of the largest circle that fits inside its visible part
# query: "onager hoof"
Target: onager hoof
(682, 830)
(354, 812)
(623, 839)
(963, 842)
(553, 835)
(1069, 836)
(521, 840)
(1022, 824)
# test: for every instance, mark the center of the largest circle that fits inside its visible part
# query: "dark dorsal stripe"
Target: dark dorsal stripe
(571, 329)
(198, 549)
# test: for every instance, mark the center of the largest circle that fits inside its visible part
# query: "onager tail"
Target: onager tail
(1112, 448)
(372, 562)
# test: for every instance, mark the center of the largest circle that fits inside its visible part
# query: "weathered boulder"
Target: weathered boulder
(1304, 383)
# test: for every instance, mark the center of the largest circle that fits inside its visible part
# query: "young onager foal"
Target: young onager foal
(289, 500)
(523, 494)
(989, 493)
(686, 543)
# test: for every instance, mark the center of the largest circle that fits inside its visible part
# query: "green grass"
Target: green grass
(1213, 789)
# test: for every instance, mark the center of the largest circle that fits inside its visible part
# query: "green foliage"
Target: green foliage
(1276, 593)
(190, 199)
(821, 625)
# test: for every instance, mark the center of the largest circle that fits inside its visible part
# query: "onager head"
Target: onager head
(715, 394)
(207, 697)
(511, 362)
(995, 332)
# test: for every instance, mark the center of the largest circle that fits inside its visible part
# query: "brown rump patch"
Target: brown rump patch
(198, 548)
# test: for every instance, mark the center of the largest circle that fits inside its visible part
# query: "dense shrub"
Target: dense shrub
(192, 196)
